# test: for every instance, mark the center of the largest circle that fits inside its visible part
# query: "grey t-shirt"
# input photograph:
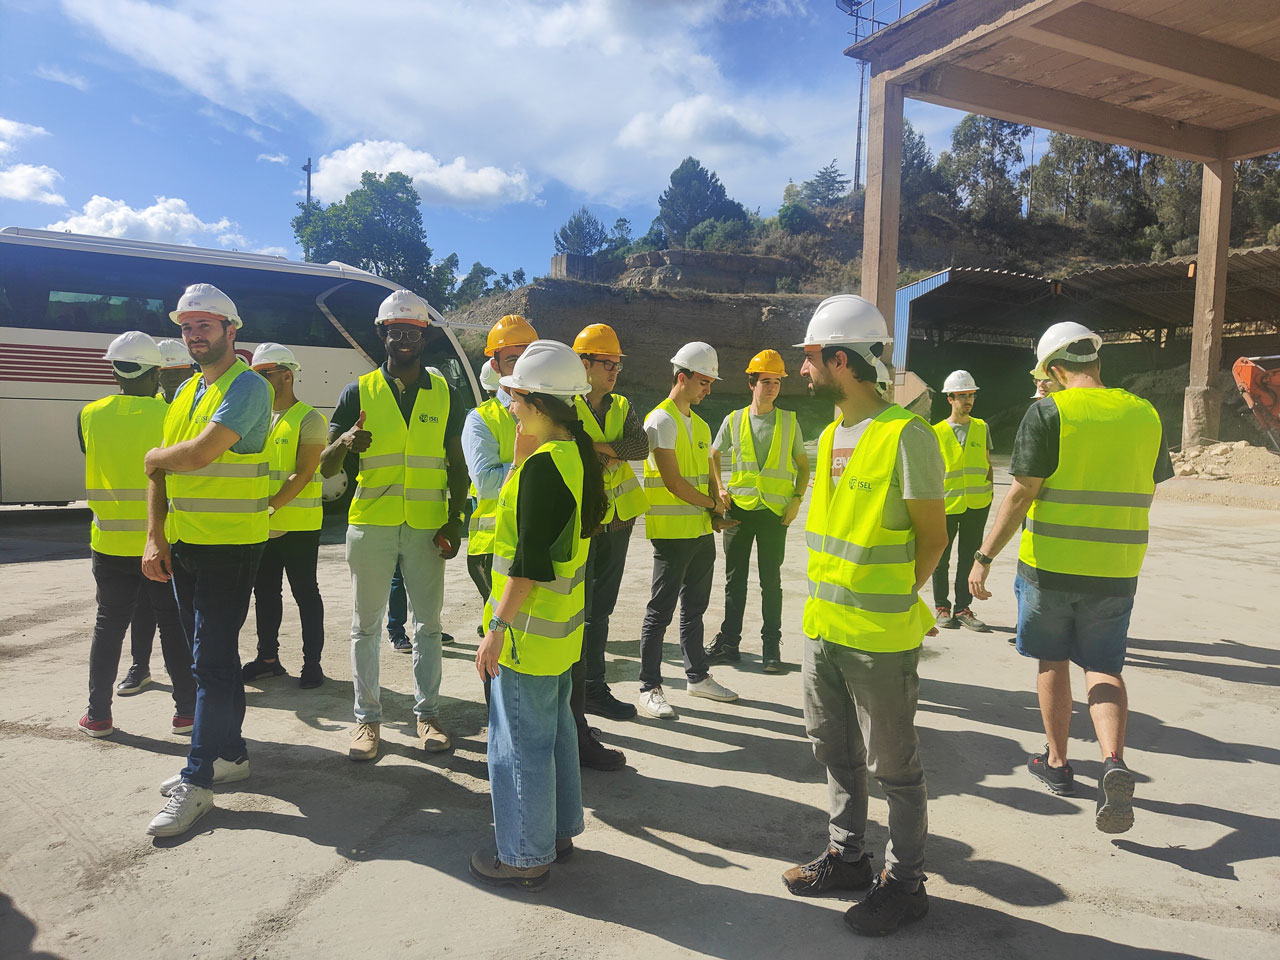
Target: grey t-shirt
(761, 435)
(961, 430)
(916, 476)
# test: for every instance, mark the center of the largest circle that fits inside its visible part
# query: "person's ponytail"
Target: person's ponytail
(594, 499)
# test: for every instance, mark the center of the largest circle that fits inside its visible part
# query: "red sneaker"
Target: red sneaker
(97, 728)
(183, 725)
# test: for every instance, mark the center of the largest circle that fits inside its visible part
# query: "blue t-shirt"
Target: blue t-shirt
(245, 410)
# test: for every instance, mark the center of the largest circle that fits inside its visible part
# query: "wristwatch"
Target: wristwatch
(982, 558)
(271, 511)
(497, 623)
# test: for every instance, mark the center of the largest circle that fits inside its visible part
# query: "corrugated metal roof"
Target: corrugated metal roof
(902, 312)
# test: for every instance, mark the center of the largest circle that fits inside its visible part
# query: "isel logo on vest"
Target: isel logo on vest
(428, 418)
(859, 484)
(282, 440)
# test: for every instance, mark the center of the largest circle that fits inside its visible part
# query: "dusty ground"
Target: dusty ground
(315, 856)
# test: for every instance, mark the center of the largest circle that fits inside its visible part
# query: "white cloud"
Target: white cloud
(25, 181)
(338, 173)
(281, 158)
(55, 74)
(699, 123)
(13, 130)
(168, 220)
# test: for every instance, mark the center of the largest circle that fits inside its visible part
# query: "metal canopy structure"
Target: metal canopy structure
(1198, 79)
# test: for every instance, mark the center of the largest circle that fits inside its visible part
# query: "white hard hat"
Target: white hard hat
(489, 377)
(882, 373)
(700, 358)
(959, 381)
(1053, 346)
(843, 319)
(548, 366)
(206, 298)
(275, 354)
(134, 346)
(404, 306)
(175, 354)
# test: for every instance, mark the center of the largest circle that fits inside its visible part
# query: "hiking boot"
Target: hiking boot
(445, 639)
(432, 736)
(601, 702)
(944, 619)
(966, 619)
(889, 905)
(828, 875)
(187, 804)
(594, 755)
(771, 657)
(564, 849)
(311, 677)
(711, 689)
(364, 741)
(652, 703)
(487, 868)
(722, 651)
(97, 728)
(135, 679)
(224, 771)
(183, 724)
(1115, 797)
(259, 669)
(402, 644)
(1061, 780)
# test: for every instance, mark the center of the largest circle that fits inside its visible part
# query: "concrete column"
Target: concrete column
(1202, 406)
(883, 197)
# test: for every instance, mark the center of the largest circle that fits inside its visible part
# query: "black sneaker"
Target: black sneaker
(402, 644)
(601, 702)
(594, 755)
(721, 651)
(1061, 780)
(446, 639)
(260, 669)
(1115, 797)
(889, 905)
(312, 676)
(135, 680)
(828, 875)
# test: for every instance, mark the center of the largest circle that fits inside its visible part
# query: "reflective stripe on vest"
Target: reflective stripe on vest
(502, 426)
(402, 475)
(965, 484)
(1090, 517)
(545, 638)
(750, 485)
(862, 574)
(224, 501)
(305, 511)
(669, 517)
(118, 431)
(626, 497)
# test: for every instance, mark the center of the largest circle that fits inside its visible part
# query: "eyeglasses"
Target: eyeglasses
(610, 366)
(407, 334)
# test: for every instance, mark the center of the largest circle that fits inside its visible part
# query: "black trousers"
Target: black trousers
(682, 571)
(970, 525)
(142, 630)
(294, 554)
(765, 529)
(120, 581)
(606, 562)
(480, 566)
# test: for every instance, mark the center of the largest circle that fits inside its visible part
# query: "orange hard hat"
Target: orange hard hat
(598, 338)
(768, 361)
(512, 330)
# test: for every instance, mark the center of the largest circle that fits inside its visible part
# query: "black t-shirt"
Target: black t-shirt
(347, 412)
(1035, 454)
(545, 507)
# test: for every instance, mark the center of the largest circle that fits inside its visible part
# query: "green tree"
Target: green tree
(826, 188)
(582, 234)
(378, 228)
(725, 235)
(925, 191)
(981, 165)
(474, 285)
(695, 194)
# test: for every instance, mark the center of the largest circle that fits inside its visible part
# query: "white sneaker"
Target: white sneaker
(653, 703)
(224, 771)
(709, 688)
(187, 804)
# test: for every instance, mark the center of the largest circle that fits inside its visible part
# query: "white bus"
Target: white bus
(64, 297)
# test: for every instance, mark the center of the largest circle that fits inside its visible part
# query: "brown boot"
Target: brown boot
(364, 741)
(432, 736)
(828, 875)
(487, 868)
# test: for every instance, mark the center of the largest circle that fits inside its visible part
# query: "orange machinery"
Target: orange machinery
(1258, 380)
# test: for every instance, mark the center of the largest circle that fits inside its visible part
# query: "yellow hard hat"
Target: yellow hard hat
(768, 361)
(512, 330)
(598, 338)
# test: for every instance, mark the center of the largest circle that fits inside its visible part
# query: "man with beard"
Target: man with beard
(206, 528)
(406, 426)
(875, 529)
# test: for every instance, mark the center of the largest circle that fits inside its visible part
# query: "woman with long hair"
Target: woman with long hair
(550, 504)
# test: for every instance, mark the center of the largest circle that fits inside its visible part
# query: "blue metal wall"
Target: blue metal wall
(902, 313)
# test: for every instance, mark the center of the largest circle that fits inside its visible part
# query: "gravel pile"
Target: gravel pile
(1239, 461)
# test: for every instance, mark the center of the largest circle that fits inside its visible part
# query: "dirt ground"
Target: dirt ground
(316, 856)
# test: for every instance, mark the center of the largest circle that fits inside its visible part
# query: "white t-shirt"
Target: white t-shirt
(662, 429)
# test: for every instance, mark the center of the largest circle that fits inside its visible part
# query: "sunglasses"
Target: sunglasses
(407, 334)
(610, 366)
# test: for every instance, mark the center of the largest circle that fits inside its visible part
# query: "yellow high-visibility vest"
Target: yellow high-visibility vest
(862, 575)
(502, 425)
(402, 476)
(626, 496)
(306, 510)
(225, 501)
(751, 485)
(545, 638)
(965, 483)
(1090, 517)
(118, 431)
(669, 517)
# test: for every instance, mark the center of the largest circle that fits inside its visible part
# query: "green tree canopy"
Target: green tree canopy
(695, 194)
(827, 186)
(982, 167)
(581, 234)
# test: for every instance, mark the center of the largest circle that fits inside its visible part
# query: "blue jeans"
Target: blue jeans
(213, 584)
(534, 777)
(1089, 629)
(397, 607)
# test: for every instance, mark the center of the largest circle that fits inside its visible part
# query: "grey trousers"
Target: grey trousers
(859, 710)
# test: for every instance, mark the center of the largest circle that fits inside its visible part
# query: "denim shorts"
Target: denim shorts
(1088, 629)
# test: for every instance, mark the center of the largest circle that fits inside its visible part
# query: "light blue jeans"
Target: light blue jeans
(372, 555)
(534, 778)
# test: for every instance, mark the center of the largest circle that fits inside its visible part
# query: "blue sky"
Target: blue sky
(187, 121)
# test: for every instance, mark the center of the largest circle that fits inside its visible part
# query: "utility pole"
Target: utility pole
(857, 150)
(306, 168)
